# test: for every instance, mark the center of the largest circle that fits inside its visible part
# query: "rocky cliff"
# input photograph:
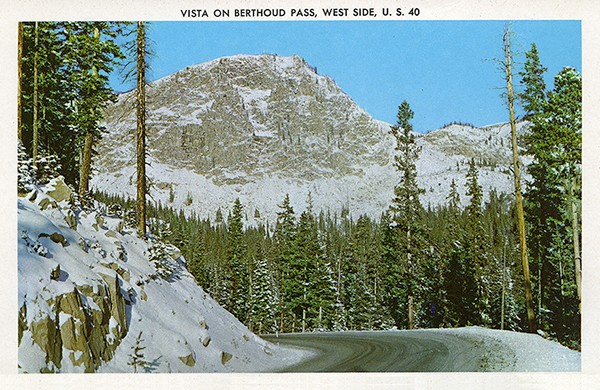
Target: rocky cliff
(259, 127)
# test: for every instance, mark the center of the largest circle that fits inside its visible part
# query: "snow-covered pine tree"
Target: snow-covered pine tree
(159, 256)
(26, 171)
(237, 263)
(476, 239)
(533, 96)
(262, 305)
(553, 200)
(136, 358)
(285, 251)
(323, 287)
(91, 54)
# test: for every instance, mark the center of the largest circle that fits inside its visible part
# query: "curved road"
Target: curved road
(392, 351)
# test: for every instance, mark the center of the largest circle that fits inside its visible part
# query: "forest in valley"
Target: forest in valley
(510, 262)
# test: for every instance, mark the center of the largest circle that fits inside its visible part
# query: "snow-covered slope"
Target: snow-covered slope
(260, 127)
(445, 156)
(91, 292)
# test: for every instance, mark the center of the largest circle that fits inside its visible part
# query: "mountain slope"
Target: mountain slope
(91, 292)
(259, 127)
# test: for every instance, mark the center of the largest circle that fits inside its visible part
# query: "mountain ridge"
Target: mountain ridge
(257, 127)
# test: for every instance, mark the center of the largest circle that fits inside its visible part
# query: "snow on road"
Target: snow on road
(471, 349)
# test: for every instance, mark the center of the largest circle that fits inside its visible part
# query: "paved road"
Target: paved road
(393, 351)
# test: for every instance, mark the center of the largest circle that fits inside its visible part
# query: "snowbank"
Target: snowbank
(521, 352)
(92, 299)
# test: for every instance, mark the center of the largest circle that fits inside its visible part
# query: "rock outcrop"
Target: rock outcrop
(78, 323)
(89, 322)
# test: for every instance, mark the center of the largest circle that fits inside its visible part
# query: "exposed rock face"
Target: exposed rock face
(46, 334)
(84, 295)
(117, 306)
(260, 127)
(257, 121)
(81, 323)
(223, 118)
(75, 321)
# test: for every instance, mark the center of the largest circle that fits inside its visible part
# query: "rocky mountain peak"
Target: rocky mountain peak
(237, 118)
(257, 127)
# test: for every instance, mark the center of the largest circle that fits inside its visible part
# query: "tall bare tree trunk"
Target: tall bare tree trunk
(86, 158)
(141, 128)
(86, 164)
(34, 148)
(576, 252)
(19, 97)
(520, 213)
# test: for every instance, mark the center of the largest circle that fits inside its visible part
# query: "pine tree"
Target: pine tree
(195, 258)
(553, 199)
(263, 303)
(453, 198)
(532, 76)
(25, 171)
(362, 279)
(461, 289)
(136, 359)
(91, 56)
(323, 287)
(298, 266)
(20, 37)
(285, 246)
(406, 207)
(238, 267)
(44, 125)
(219, 216)
(476, 243)
(432, 289)
(64, 86)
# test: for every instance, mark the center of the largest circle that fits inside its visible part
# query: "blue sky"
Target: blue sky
(442, 68)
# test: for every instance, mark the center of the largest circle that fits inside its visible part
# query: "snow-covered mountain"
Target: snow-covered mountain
(259, 127)
(92, 296)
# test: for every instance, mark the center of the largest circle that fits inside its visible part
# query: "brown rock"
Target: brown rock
(117, 303)
(225, 357)
(46, 334)
(61, 191)
(188, 360)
